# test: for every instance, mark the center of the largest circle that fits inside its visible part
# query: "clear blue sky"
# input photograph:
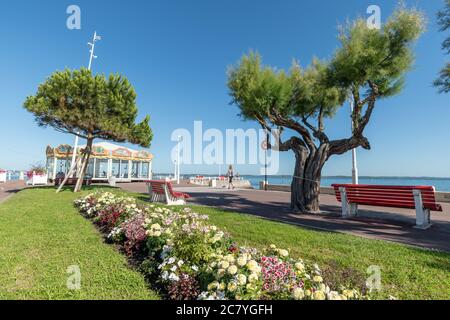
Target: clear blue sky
(176, 54)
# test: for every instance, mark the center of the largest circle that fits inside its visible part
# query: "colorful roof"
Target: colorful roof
(101, 150)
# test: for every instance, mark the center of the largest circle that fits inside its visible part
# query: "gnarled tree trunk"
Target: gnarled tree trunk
(305, 187)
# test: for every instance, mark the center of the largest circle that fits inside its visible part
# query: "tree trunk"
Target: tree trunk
(82, 171)
(305, 187)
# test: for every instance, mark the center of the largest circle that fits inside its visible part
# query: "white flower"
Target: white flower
(252, 277)
(319, 295)
(174, 277)
(241, 279)
(155, 226)
(298, 294)
(241, 261)
(213, 285)
(300, 266)
(171, 260)
(229, 258)
(232, 270)
(232, 286)
(317, 279)
(253, 266)
(224, 264)
(333, 295)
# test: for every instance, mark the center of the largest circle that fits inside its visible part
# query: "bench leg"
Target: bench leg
(345, 204)
(353, 209)
(423, 220)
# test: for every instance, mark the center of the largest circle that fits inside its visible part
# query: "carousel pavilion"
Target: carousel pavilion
(107, 160)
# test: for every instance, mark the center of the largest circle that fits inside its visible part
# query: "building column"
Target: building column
(93, 169)
(109, 168)
(130, 164)
(54, 168)
(150, 175)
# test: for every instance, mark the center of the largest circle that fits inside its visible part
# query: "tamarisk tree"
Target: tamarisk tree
(443, 82)
(89, 106)
(369, 65)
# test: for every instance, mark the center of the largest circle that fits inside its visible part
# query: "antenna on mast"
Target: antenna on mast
(92, 45)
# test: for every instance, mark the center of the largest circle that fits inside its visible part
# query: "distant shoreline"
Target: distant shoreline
(326, 177)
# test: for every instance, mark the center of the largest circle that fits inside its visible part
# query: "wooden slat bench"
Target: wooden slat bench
(420, 198)
(162, 191)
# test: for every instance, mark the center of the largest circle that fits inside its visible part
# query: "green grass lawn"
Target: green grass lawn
(41, 235)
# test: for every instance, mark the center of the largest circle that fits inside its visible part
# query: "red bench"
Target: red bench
(420, 198)
(162, 191)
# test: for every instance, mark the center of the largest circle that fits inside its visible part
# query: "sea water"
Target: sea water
(441, 184)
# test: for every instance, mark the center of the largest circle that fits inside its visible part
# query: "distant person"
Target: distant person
(230, 177)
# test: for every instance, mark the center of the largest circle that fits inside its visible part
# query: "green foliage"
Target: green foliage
(38, 168)
(92, 106)
(193, 247)
(443, 82)
(258, 90)
(444, 22)
(368, 60)
(380, 56)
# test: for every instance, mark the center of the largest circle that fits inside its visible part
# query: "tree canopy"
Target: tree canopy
(443, 82)
(90, 106)
(370, 64)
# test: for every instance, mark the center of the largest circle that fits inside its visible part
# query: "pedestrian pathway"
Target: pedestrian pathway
(9, 188)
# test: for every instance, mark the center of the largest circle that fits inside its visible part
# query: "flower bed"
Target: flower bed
(188, 258)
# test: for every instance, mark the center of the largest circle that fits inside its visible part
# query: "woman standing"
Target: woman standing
(230, 177)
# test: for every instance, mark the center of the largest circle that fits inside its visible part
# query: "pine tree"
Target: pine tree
(89, 106)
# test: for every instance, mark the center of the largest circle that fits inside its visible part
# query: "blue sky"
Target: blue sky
(176, 54)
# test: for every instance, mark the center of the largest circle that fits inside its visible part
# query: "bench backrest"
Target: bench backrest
(169, 187)
(157, 186)
(388, 196)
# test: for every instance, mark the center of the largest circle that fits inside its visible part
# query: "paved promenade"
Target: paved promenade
(390, 224)
(8, 189)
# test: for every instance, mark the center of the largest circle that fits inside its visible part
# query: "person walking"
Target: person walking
(230, 177)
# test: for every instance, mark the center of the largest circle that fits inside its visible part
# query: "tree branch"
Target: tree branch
(317, 133)
(294, 143)
(289, 123)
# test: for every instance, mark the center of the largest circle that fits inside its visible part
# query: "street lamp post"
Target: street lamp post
(353, 206)
(265, 160)
(178, 160)
(354, 162)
